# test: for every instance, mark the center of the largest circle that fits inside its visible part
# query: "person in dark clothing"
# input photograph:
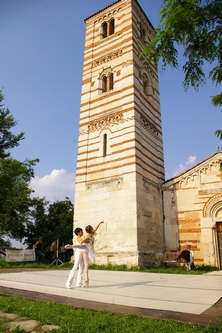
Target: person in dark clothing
(185, 254)
(187, 258)
(184, 258)
(38, 246)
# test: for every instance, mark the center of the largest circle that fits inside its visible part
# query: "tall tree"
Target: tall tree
(15, 177)
(8, 140)
(14, 196)
(196, 25)
(60, 214)
(45, 218)
(37, 224)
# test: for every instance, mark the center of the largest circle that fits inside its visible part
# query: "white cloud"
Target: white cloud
(56, 186)
(184, 166)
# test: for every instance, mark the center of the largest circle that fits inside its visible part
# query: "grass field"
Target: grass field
(85, 321)
(171, 269)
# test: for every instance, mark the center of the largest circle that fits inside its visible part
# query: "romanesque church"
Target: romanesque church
(120, 163)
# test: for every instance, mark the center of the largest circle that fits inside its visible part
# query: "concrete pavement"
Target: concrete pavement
(189, 295)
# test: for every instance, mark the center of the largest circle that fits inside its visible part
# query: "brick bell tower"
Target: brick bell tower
(120, 163)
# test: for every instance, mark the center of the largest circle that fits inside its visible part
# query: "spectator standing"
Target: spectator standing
(53, 249)
(62, 252)
(38, 246)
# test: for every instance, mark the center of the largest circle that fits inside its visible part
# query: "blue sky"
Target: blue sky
(41, 57)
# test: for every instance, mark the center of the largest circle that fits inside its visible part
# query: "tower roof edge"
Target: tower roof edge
(116, 3)
(99, 11)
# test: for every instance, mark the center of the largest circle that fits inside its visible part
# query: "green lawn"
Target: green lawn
(170, 270)
(85, 321)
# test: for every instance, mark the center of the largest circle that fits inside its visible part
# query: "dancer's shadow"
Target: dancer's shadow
(123, 284)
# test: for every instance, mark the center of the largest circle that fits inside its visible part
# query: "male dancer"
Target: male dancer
(78, 260)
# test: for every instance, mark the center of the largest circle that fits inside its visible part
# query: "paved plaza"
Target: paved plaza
(173, 296)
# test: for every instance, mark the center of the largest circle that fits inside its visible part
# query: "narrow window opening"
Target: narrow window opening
(107, 82)
(104, 30)
(104, 145)
(112, 27)
(111, 81)
(104, 83)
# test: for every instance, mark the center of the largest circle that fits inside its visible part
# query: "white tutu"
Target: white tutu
(85, 247)
(90, 253)
(88, 248)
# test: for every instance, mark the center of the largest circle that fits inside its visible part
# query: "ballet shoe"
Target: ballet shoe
(87, 283)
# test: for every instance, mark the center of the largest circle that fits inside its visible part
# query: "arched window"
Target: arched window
(111, 27)
(108, 29)
(104, 83)
(107, 82)
(110, 81)
(104, 29)
(104, 145)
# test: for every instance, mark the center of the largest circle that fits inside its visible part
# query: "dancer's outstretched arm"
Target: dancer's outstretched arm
(97, 226)
(76, 246)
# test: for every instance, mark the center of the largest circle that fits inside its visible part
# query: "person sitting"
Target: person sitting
(187, 258)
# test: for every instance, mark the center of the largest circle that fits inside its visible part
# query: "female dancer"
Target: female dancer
(89, 242)
(84, 256)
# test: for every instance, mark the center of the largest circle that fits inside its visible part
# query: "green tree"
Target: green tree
(14, 196)
(8, 140)
(60, 214)
(37, 224)
(15, 176)
(45, 218)
(196, 25)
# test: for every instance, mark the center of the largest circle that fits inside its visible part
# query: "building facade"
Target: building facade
(120, 163)
(193, 211)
